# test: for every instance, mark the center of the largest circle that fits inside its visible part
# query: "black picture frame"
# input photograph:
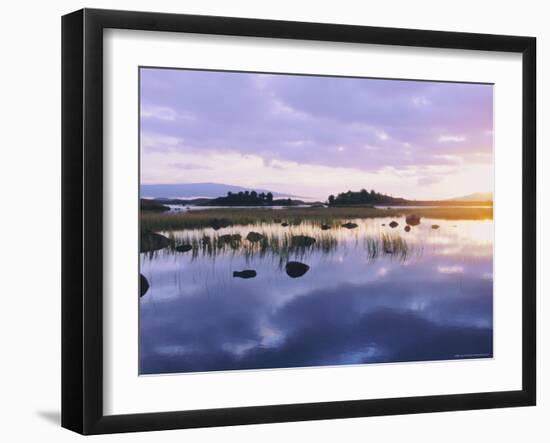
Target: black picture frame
(82, 218)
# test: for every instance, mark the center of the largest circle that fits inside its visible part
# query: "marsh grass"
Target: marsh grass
(202, 231)
(200, 219)
(280, 247)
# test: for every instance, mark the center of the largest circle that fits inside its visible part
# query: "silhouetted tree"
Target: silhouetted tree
(363, 197)
(247, 198)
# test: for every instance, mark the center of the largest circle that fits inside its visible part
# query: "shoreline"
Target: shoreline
(197, 219)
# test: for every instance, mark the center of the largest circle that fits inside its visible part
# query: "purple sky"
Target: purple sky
(313, 136)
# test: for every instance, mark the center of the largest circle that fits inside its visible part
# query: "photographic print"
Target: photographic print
(292, 221)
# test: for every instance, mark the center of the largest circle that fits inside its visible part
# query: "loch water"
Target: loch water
(370, 294)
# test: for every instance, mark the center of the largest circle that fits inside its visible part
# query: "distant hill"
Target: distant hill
(193, 190)
(475, 197)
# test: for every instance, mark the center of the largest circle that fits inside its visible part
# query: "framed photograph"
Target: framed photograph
(268, 221)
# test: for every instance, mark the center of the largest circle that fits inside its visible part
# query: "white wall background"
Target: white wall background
(30, 221)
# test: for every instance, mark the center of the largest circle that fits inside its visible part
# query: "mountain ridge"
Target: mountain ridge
(474, 197)
(193, 190)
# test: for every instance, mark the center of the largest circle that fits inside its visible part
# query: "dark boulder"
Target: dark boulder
(412, 219)
(229, 238)
(151, 241)
(394, 224)
(325, 227)
(143, 285)
(183, 248)
(218, 223)
(285, 224)
(349, 225)
(435, 226)
(407, 228)
(302, 240)
(254, 237)
(247, 273)
(296, 269)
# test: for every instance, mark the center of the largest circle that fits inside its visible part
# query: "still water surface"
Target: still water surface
(372, 294)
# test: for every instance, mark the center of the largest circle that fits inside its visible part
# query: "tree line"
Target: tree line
(245, 198)
(363, 197)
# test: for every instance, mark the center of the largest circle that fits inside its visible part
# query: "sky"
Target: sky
(313, 136)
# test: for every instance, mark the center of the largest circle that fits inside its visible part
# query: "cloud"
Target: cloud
(420, 101)
(188, 166)
(304, 119)
(396, 322)
(160, 165)
(159, 143)
(449, 158)
(450, 269)
(159, 112)
(428, 180)
(451, 138)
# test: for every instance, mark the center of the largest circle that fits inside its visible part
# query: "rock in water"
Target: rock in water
(285, 224)
(143, 285)
(226, 238)
(183, 248)
(394, 224)
(407, 228)
(412, 219)
(349, 225)
(151, 241)
(435, 226)
(296, 269)
(247, 273)
(325, 227)
(302, 240)
(254, 237)
(229, 238)
(219, 223)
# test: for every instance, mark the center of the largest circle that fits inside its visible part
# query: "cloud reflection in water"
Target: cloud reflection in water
(346, 309)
